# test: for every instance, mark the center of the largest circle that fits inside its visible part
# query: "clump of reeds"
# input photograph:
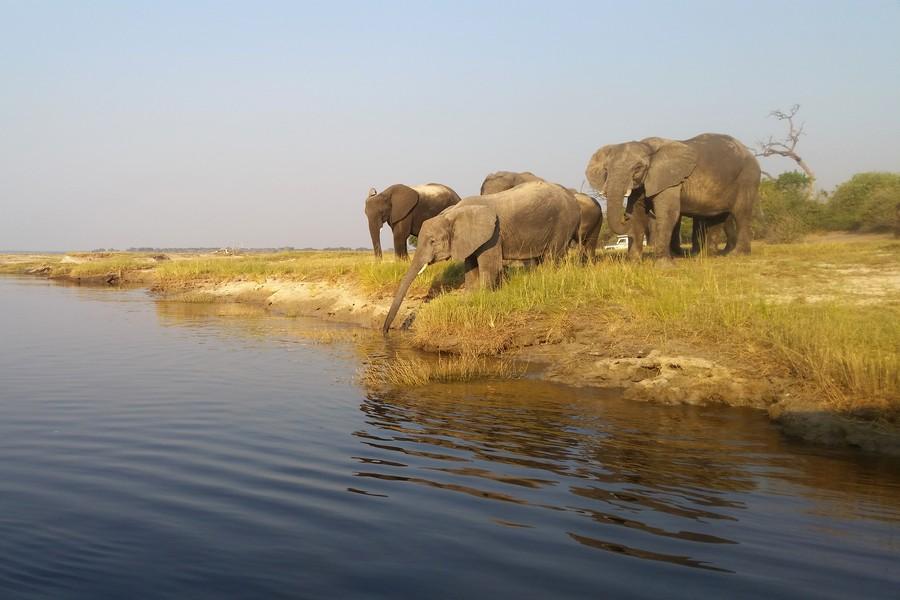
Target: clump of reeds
(412, 372)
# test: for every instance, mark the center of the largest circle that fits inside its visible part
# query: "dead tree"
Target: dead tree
(787, 146)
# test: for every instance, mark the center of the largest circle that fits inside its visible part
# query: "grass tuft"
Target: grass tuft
(414, 372)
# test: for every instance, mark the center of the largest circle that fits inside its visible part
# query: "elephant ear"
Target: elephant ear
(403, 201)
(471, 227)
(669, 166)
(596, 169)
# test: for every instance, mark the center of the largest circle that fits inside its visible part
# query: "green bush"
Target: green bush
(785, 211)
(867, 202)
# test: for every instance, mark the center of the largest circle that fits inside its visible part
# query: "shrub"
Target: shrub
(867, 202)
(785, 211)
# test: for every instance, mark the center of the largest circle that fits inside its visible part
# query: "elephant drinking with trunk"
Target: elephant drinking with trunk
(708, 176)
(591, 212)
(533, 221)
(405, 208)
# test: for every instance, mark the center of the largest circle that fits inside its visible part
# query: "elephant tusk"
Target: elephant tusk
(425, 266)
(627, 193)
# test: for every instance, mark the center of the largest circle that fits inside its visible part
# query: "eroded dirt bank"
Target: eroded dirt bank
(330, 301)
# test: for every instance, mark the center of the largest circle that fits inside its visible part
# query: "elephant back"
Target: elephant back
(537, 219)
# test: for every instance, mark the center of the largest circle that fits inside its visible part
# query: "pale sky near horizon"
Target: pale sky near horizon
(264, 123)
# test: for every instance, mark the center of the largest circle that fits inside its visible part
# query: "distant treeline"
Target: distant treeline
(866, 203)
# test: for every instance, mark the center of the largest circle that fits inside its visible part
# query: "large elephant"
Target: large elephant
(705, 231)
(532, 221)
(405, 208)
(706, 176)
(591, 211)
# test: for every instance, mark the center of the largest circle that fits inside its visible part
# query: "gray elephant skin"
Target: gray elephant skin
(533, 221)
(705, 235)
(404, 209)
(708, 176)
(591, 211)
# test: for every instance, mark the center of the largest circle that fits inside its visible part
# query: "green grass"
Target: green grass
(846, 343)
(115, 263)
(94, 264)
(354, 268)
(413, 372)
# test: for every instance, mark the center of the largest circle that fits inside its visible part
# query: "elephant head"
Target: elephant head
(393, 204)
(504, 180)
(654, 163)
(457, 233)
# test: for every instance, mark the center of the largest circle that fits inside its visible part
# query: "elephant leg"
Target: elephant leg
(473, 279)
(640, 221)
(743, 214)
(490, 266)
(730, 235)
(589, 246)
(401, 233)
(675, 242)
(666, 208)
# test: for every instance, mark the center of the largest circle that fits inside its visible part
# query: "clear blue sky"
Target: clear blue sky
(265, 123)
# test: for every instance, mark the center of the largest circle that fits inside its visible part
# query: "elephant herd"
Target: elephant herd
(649, 185)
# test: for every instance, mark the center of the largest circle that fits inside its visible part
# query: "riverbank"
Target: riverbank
(807, 332)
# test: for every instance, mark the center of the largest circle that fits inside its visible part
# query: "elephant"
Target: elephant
(405, 208)
(532, 221)
(591, 211)
(501, 181)
(704, 232)
(589, 227)
(705, 176)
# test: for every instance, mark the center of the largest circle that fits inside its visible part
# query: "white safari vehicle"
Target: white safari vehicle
(620, 245)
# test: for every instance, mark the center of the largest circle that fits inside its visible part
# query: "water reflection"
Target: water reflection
(630, 478)
(163, 432)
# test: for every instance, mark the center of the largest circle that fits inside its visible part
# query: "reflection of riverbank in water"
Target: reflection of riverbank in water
(523, 410)
(683, 485)
(140, 438)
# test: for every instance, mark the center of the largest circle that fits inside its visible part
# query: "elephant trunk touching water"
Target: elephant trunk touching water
(421, 259)
(532, 221)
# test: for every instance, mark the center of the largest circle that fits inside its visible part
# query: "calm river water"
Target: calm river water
(163, 450)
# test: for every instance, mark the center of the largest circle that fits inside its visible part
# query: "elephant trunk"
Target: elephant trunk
(375, 232)
(420, 260)
(615, 212)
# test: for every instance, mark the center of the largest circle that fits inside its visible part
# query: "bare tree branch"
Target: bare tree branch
(787, 146)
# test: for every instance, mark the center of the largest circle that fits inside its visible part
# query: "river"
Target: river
(157, 450)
